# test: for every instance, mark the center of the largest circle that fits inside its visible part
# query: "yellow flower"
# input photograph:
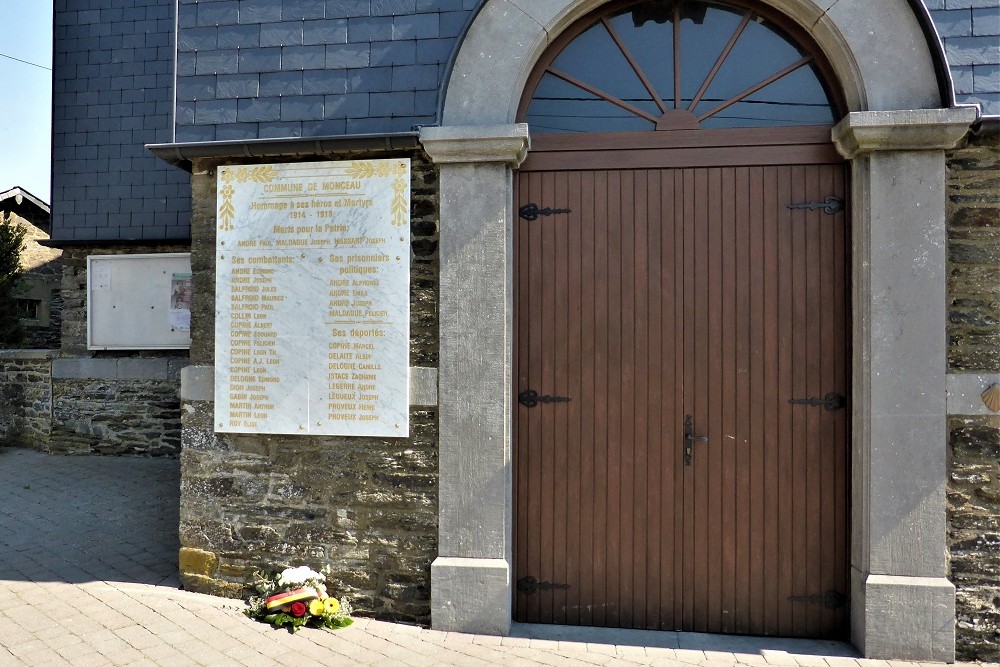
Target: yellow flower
(316, 607)
(332, 606)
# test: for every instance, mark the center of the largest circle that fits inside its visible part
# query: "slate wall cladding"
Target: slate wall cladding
(112, 84)
(365, 506)
(974, 347)
(970, 30)
(250, 69)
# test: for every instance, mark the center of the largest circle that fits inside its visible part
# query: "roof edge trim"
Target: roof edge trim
(17, 190)
(182, 154)
(113, 243)
(945, 82)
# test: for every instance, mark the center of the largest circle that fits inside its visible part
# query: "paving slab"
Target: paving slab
(88, 577)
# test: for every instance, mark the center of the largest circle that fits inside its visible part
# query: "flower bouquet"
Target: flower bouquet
(297, 597)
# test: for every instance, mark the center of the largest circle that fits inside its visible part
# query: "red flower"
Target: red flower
(299, 609)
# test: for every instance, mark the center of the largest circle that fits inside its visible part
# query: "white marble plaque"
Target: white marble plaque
(312, 315)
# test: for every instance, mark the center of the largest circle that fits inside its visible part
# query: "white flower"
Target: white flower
(297, 576)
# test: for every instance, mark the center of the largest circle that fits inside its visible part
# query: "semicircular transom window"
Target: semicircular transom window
(679, 64)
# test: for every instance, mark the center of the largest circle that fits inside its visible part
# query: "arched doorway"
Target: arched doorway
(681, 308)
(900, 121)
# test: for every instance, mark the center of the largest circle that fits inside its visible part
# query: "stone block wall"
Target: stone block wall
(974, 352)
(42, 276)
(78, 401)
(112, 402)
(974, 256)
(974, 500)
(90, 406)
(44, 333)
(25, 398)
(367, 507)
(123, 417)
(116, 406)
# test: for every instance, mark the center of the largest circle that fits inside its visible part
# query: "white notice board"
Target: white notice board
(139, 302)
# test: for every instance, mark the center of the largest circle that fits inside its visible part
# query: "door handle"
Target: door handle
(690, 438)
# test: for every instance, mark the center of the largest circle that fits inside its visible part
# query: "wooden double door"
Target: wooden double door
(681, 424)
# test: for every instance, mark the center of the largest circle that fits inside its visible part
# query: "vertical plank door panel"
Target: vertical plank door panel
(665, 293)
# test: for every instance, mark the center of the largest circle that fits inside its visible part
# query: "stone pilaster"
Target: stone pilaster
(471, 577)
(903, 603)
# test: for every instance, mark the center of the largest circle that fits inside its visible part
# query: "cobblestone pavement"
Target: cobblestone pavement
(88, 556)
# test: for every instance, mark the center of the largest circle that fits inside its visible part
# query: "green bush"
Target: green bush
(11, 272)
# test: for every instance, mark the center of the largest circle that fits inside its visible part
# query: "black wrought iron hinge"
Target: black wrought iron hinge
(832, 401)
(530, 586)
(531, 211)
(831, 205)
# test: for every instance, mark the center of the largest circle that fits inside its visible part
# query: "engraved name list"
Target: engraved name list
(312, 298)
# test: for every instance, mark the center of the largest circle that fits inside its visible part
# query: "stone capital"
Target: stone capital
(477, 143)
(911, 130)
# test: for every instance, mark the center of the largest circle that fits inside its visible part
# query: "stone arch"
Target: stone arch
(868, 45)
(901, 121)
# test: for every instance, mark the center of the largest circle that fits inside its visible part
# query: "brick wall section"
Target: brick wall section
(25, 398)
(249, 69)
(112, 93)
(365, 506)
(974, 346)
(970, 30)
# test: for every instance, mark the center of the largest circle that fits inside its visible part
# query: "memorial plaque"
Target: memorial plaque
(312, 293)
